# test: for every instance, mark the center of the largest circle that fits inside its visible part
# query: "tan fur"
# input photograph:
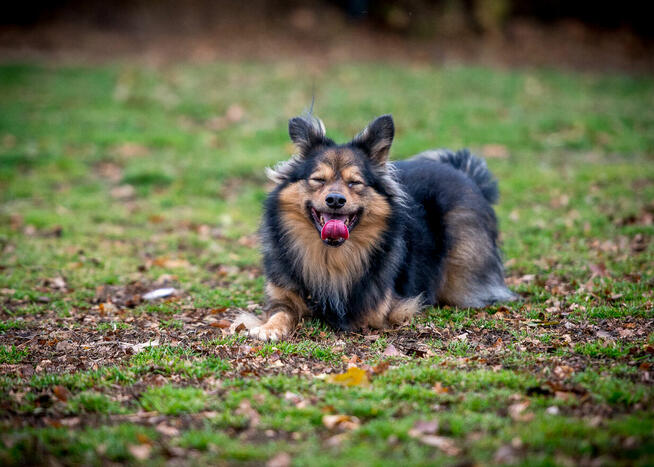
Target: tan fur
(403, 310)
(469, 250)
(324, 267)
(376, 318)
(392, 311)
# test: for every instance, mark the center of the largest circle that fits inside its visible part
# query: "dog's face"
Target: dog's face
(335, 194)
(335, 191)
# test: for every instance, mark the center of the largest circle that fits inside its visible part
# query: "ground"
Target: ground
(118, 180)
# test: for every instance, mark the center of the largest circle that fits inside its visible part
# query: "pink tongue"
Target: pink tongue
(334, 230)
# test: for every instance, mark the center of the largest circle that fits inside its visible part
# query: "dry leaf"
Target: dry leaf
(354, 376)
(221, 323)
(61, 393)
(380, 368)
(424, 427)
(141, 451)
(440, 389)
(170, 263)
(138, 347)
(123, 192)
(167, 430)
(246, 409)
(391, 351)
(564, 395)
(517, 412)
(447, 445)
(341, 422)
(283, 459)
(563, 371)
(598, 270)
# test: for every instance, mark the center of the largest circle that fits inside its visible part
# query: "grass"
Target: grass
(12, 354)
(116, 180)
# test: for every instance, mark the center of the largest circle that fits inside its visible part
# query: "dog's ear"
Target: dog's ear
(376, 139)
(306, 132)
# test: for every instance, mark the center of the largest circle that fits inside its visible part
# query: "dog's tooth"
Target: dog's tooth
(322, 220)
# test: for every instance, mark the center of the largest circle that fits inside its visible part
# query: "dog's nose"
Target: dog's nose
(335, 200)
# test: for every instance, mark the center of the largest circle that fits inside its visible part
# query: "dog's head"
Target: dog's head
(337, 191)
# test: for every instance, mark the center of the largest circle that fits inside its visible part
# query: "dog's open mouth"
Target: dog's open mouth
(334, 227)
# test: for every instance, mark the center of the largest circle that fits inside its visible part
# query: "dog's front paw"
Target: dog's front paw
(267, 333)
(277, 327)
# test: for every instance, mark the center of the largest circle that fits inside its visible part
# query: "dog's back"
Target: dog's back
(452, 253)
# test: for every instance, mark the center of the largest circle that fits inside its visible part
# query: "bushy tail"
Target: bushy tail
(473, 166)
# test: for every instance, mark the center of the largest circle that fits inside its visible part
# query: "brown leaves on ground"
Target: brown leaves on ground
(426, 433)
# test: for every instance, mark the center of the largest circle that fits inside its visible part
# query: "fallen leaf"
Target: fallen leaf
(598, 270)
(605, 335)
(424, 427)
(341, 422)
(234, 113)
(283, 459)
(246, 409)
(438, 388)
(354, 376)
(391, 351)
(506, 454)
(447, 445)
(380, 368)
(517, 412)
(138, 347)
(167, 430)
(61, 393)
(171, 263)
(141, 451)
(123, 192)
(563, 371)
(221, 323)
(564, 395)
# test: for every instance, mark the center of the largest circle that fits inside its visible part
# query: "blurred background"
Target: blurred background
(581, 34)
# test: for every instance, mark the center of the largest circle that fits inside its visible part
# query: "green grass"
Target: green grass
(12, 354)
(113, 326)
(120, 179)
(173, 401)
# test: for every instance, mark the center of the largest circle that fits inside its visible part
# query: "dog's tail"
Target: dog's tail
(473, 166)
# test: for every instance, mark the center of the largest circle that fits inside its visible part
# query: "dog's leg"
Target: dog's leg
(473, 273)
(392, 311)
(285, 308)
(403, 310)
(376, 318)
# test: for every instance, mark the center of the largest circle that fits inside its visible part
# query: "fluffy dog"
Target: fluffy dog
(359, 241)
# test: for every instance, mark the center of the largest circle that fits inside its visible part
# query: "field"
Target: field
(117, 180)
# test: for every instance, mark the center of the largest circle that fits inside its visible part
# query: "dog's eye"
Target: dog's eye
(354, 183)
(318, 180)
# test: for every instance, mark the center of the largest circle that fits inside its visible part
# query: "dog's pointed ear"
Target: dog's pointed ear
(306, 132)
(376, 138)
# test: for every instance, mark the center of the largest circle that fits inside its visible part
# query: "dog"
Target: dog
(361, 242)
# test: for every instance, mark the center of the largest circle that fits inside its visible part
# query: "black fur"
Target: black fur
(412, 253)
